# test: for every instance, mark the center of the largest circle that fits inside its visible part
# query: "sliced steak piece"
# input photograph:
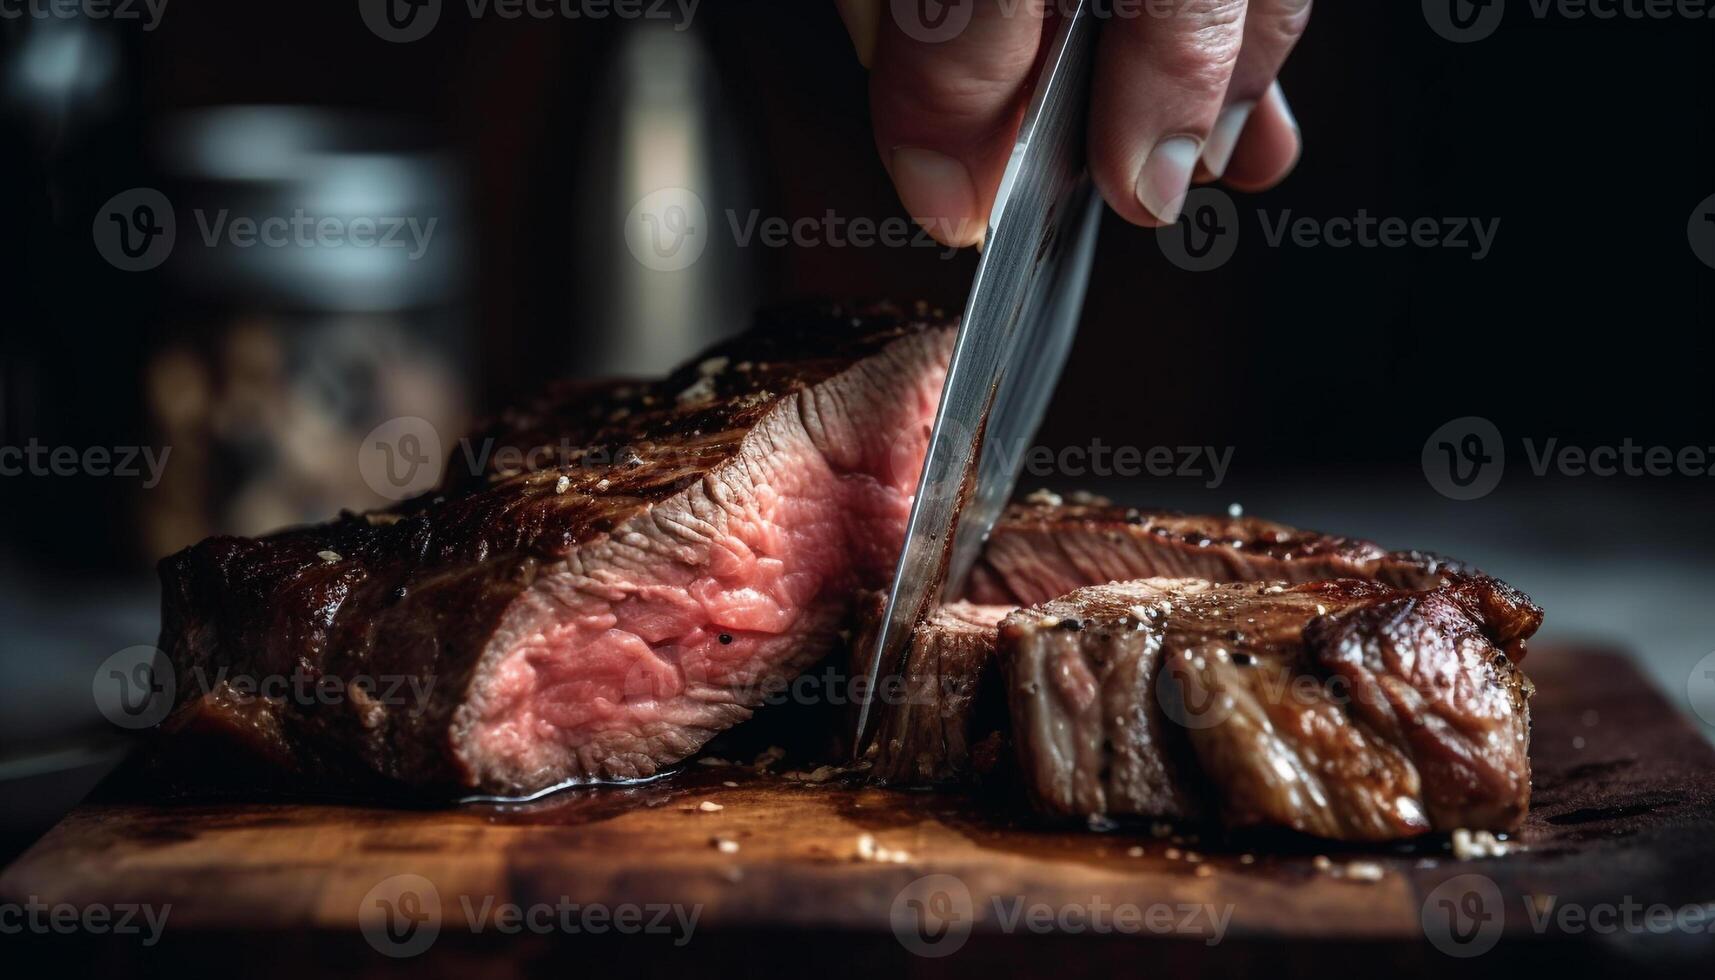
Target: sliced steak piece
(627, 572)
(1090, 736)
(942, 718)
(1344, 709)
(1043, 550)
(1436, 673)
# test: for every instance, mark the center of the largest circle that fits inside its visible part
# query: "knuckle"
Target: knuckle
(1199, 63)
(951, 98)
(1202, 53)
(1284, 22)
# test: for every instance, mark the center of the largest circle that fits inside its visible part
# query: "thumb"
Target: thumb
(948, 88)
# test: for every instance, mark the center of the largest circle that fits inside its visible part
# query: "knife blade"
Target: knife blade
(1014, 335)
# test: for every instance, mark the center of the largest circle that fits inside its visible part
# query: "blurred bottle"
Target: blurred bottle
(660, 269)
(319, 255)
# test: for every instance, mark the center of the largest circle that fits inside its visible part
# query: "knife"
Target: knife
(1016, 331)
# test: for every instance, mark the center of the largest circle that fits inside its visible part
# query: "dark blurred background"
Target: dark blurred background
(1322, 371)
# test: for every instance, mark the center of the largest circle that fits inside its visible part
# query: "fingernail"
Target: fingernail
(1166, 177)
(1224, 138)
(1284, 106)
(937, 191)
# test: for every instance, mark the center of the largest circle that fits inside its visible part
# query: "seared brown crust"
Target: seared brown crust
(1428, 672)
(1346, 709)
(1042, 549)
(418, 591)
(1039, 551)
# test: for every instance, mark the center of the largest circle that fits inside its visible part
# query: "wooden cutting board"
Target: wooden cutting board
(1623, 812)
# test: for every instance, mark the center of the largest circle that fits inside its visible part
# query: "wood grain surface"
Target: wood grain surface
(1623, 814)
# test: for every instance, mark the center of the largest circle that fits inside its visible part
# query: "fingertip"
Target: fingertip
(1165, 177)
(938, 193)
(1270, 147)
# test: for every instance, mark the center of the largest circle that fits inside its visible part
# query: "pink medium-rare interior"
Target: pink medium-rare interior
(672, 627)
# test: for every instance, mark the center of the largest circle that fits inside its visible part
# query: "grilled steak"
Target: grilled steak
(946, 702)
(1040, 551)
(1080, 681)
(629, 579)
(1345, 709)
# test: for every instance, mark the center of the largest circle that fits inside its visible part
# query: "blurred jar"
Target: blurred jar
(318, 273)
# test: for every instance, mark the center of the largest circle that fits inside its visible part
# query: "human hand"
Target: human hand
(1184, 90)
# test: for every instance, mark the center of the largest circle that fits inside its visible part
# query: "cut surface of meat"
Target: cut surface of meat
(942, 718)
(1344, 709)
(1040, 551)
(1091, 737)
(1043, 548)
(623, 572)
